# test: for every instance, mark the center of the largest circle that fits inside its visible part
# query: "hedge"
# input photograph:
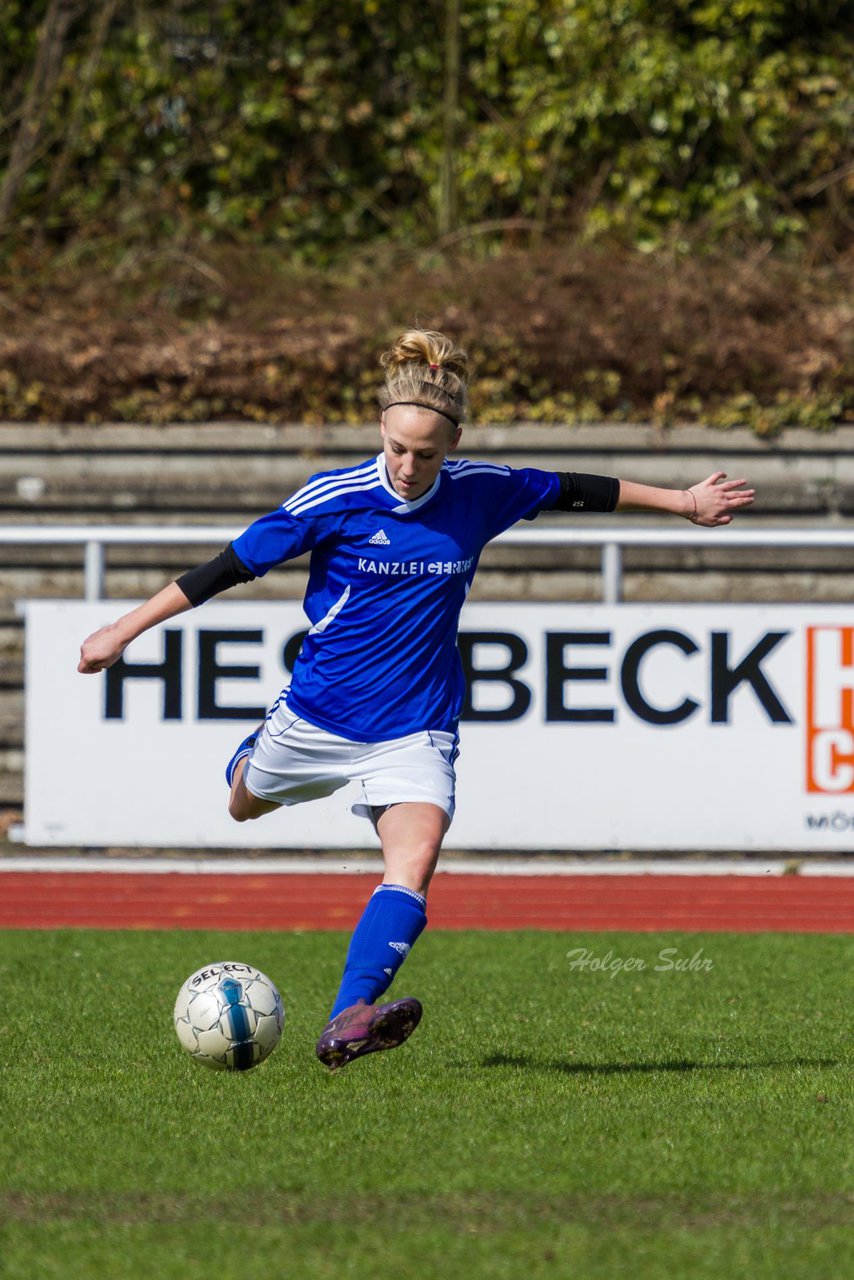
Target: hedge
(320, 126)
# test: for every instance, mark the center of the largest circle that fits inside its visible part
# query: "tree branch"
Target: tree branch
(46, 71)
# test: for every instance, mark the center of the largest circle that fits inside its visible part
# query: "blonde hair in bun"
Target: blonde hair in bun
(425, 368)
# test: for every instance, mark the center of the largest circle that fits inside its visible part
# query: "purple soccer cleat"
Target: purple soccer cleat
(365, 1028)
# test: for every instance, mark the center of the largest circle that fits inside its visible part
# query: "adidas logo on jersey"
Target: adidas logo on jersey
(379, 539)
(402, 948)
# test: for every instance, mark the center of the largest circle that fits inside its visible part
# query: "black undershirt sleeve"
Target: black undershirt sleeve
(580, 492)
(224, 571)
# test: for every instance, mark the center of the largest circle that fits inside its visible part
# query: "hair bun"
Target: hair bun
(426, 347)
(425, 367)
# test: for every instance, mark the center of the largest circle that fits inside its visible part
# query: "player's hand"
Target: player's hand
(717, 498)
(101, 650)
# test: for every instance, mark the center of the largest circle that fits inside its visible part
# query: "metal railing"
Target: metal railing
(612, 539)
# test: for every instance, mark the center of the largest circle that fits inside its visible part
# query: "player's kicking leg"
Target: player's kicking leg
(394, 918)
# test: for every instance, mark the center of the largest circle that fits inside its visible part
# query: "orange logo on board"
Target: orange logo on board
(830, 709)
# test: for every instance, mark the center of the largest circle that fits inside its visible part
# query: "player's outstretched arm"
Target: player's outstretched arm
(106, 646)
(711, 502)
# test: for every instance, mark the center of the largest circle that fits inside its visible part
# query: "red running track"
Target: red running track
(645, 903)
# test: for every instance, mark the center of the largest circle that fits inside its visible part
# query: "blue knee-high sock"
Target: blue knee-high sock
(390, 925)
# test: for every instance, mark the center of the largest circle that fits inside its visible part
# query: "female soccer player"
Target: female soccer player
(377, 690)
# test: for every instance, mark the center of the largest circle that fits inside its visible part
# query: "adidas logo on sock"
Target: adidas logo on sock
(379, 539)
(402, 948)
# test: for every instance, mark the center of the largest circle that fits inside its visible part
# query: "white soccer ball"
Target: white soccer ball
(229, 1016)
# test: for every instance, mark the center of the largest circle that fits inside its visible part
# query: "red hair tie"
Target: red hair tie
(433, 367)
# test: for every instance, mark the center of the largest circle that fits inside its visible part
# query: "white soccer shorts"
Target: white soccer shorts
(294, 761)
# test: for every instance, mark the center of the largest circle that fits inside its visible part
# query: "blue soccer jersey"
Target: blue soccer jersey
(387, 581)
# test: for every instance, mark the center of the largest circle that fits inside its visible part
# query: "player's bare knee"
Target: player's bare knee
(242, 807)
(235, 811)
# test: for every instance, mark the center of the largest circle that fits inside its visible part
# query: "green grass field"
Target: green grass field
(543, 1121)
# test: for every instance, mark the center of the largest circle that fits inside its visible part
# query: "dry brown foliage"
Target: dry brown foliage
(563, 333)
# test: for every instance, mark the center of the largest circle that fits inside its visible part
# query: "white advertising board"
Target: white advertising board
(724, 727)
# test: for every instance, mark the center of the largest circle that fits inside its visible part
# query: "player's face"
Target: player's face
(415, 443)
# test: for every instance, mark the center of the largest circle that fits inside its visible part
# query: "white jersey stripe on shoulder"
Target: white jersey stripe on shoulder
(466, 464)
(327, 482)
(316, 500)
(312, 499)
(458, 470)
(323, 483)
